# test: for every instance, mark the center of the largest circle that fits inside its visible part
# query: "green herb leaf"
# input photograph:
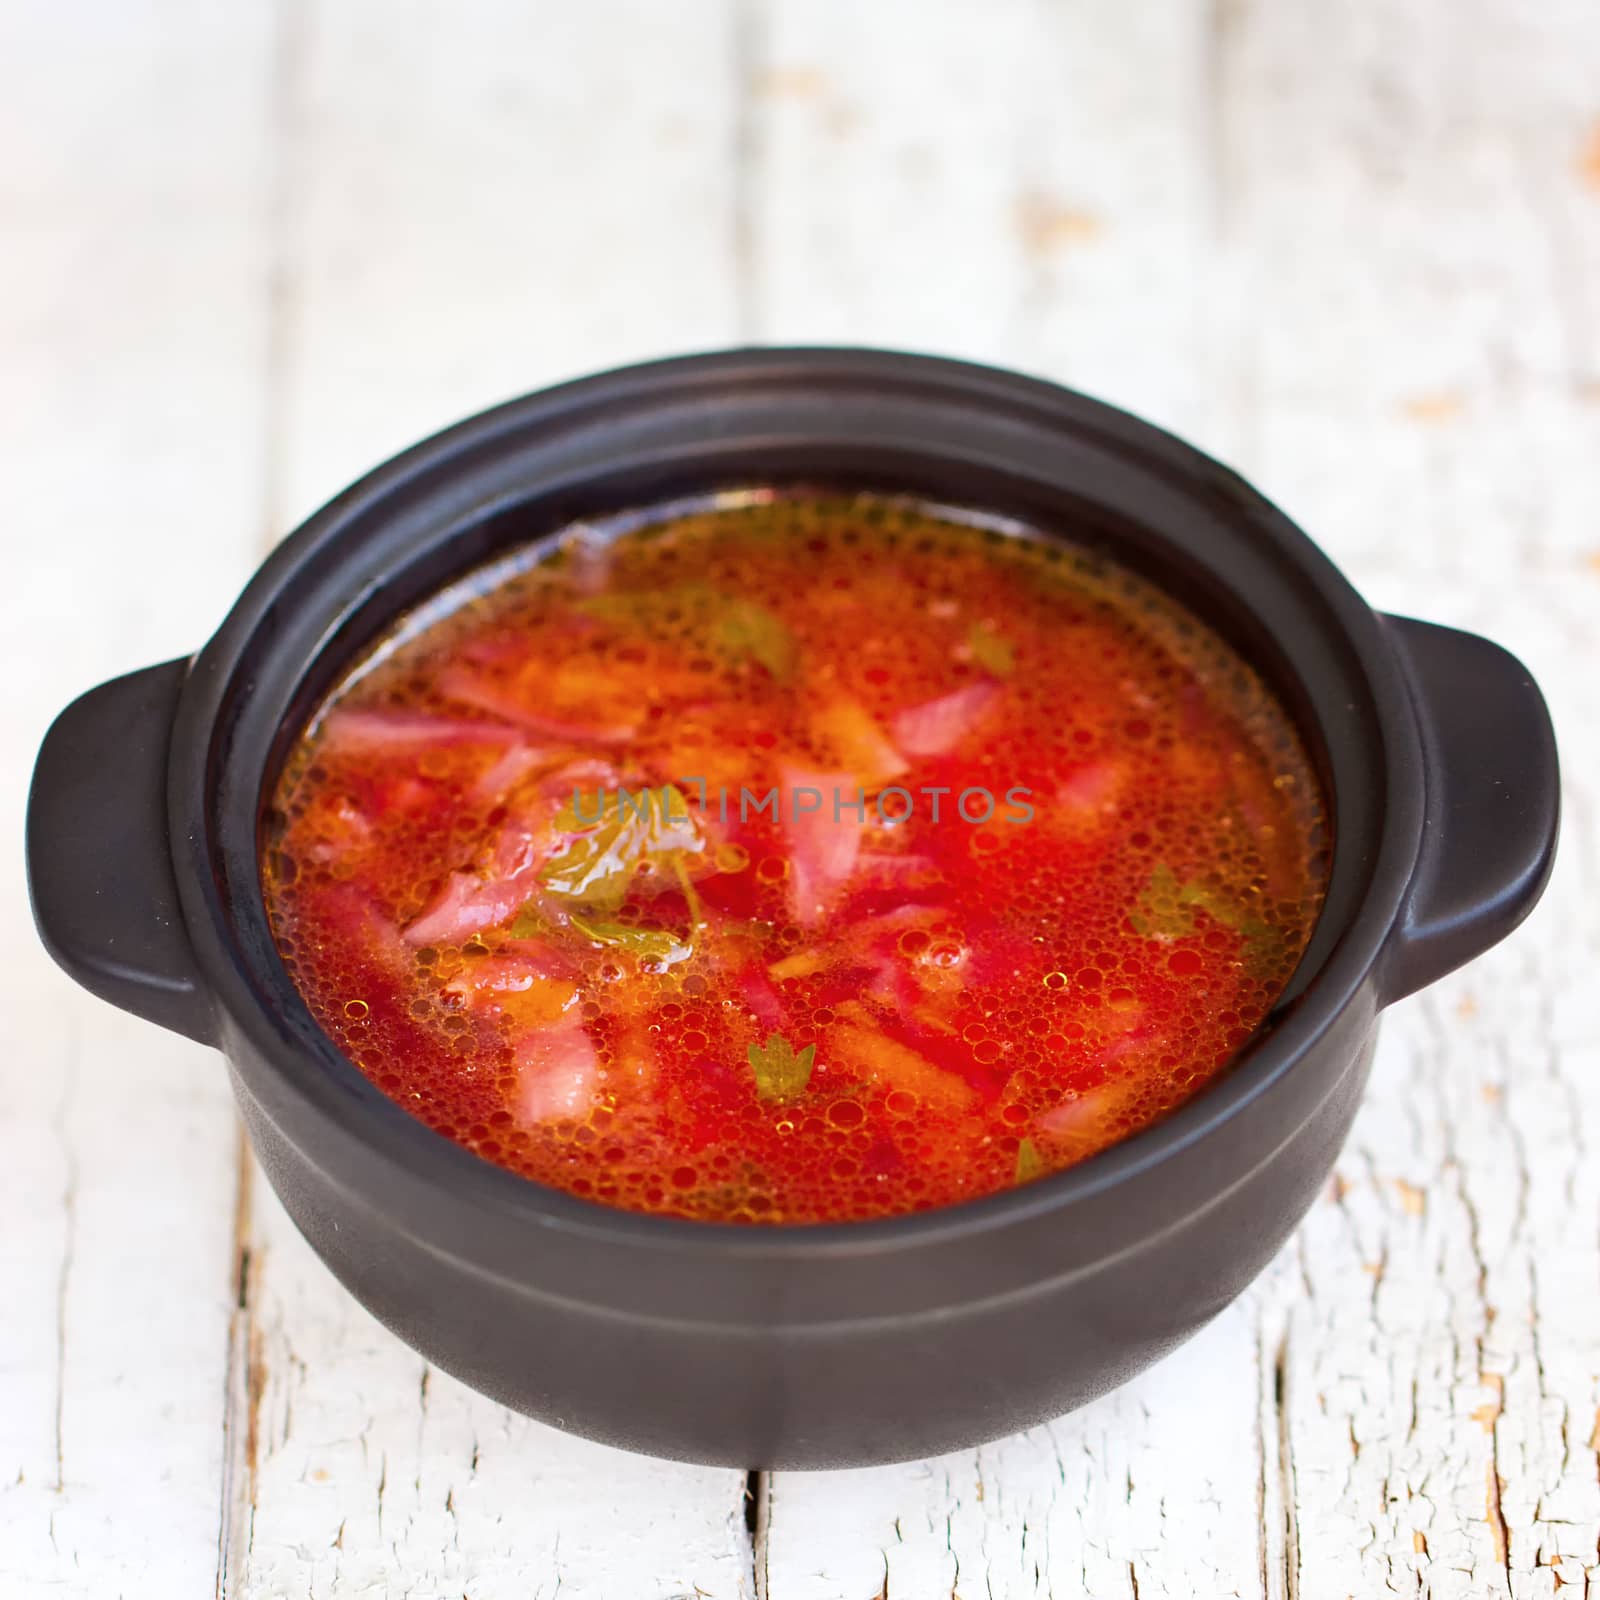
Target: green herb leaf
(992, 650)
(736, 630)
(779, 1072)
(1166, 911)
(1263, 943)
(745, 631)
(1030, 1164)
(647, 608)
(1160, 912)
(529, 922)
(649, 944)
(634, 827)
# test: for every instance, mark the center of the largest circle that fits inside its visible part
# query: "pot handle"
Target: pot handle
(1492, 808)
(99, 864)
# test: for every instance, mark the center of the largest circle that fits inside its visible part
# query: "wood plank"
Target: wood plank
(1422, 382)
(374, 1471)
(491, 197)
(1015, 181)
(482, 199)
(134, 160)
(1153, 1489)
(1407, 228)
(992, 181)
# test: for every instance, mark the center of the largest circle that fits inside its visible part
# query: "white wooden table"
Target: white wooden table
(248, 249)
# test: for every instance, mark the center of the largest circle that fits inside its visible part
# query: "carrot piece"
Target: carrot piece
(897, 1066)
(860, 744)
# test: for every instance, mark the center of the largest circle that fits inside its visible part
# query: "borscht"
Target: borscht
(789, 857)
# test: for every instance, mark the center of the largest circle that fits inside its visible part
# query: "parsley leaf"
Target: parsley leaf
(1030, 1164)
(634, 827)
(744, 631)
(1165, 910)
(736, 630)
(1160, 913)
(649, 944)
(779, 1072)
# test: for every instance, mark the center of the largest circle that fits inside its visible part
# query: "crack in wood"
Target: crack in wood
(1286, 1470)
(69, 1225)
(757, 1490)
(244, 1382)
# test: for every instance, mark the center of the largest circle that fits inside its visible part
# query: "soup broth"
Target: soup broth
(789, 859)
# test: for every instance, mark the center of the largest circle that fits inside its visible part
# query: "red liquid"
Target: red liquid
(494, 904)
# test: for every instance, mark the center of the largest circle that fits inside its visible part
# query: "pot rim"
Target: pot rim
(374, 1125)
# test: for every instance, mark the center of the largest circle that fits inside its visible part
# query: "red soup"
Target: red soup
(781, 859)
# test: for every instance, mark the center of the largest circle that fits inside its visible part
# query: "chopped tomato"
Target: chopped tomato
(935, 727)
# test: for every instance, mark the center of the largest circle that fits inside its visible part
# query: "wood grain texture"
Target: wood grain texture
(1021, 182)
(483, 199)
(132, 164)
(1421, 387)
(477, 201)
(1355, 251)
(1397, 227)
(371, 1474)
